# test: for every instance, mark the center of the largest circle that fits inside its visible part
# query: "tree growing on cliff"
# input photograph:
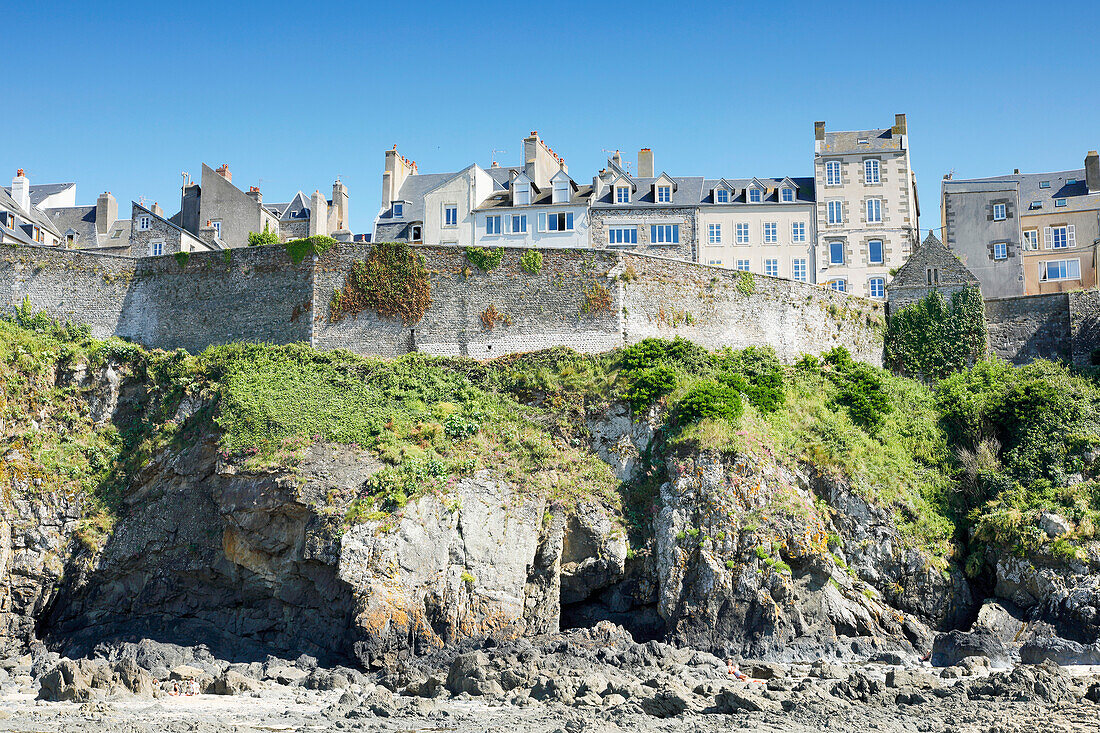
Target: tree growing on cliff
(931, 339)
(259, 239)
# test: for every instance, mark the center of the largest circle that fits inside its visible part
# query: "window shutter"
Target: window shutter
(542, 222)
(1071, 236)
(569, 221)
(1048, 238)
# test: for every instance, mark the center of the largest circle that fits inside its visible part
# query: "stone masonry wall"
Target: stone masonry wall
(1030, 327)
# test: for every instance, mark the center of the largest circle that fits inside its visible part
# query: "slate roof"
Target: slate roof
(696, 190)
(1076, 194)
(40, 191)
(295, 209)
(412, 193)
(878, 140)
(688, 192)
(80, 219)
(503, 199)
(803, 195)
(34, 216)
(932, 252)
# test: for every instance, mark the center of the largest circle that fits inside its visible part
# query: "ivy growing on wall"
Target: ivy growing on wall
(264, 238)
(746, 283)
(597, 298)
(299, 248)
(484, 259)
(531, 261)
(393, 281)
(932, 338)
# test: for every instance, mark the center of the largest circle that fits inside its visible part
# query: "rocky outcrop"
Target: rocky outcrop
(1064, 593)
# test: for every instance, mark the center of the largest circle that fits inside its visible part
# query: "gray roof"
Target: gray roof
(41, 191)
(545, 197)
(34, 216)
(688, 191)
(695, 190)
(1076, 194)
(849, 141)
(803, 195)
(502, 175)
(932, 252)
(80, 219)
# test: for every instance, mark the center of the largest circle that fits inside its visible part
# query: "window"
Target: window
(1071, 181)
(1000, 250)
(156, 249)
(742, 233)
(874, 211)
(561, 192)
(722, 196)
(786, 195)
(839, 285)
(492, 225)
(1031, 240)
(1036, 205)
(1059, 203)
(622, 195)
(832, 173)
(771, 232)
(714, 233)
(1000, 212)
(519, 224)
(877, 287)
(622, 235)
(871, 171)
(742, 265)
(398, 209)
(1061, 237)
(755, 195)
(771, 268)
(523, 195)
(933, 275)
(798, 270)
(1060, 270)
(144, 223)
(450, 215)
(836, 212)
(116, 234)
(664, 234)
(798, 231)
(416, 233)
(560, 221)
(714, 262)
(836, 253)
(1044, 184)
(217, 228)
(874, 252)
(664, 194)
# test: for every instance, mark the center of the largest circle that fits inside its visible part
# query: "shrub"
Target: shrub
(746, 284)
(182, 258)
(931, 339)
(299, 248)
(485, 259)
(531, 261)
(650, 384)
(709, 399)
(393, 281)
(260, 239)
(860, 388)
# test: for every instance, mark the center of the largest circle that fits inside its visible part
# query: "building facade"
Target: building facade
(933, 267)
(153, 235)
(866, 205)
(1026, 234)
(21, 221)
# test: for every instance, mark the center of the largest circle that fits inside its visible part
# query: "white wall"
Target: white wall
(533, 238)
(467, 192)
(756, 251)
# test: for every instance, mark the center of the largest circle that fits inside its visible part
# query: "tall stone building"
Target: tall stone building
(867, 208)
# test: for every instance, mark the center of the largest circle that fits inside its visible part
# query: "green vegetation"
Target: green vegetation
(260, 239)
(393, 281)
(298, 249)
(931, 338)
(485, 259)
(182, 258)
(531, 261)
(746, 283)
(597, 298)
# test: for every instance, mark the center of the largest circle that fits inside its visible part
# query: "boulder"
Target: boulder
(912, 678)
(1055, 525)
(741, 701)
(952, 647)
(1060, 651)
(233, 683)
(66, 682)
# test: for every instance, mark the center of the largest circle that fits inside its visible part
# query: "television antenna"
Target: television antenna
(493, 156)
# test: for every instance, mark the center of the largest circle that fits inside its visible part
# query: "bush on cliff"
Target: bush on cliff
(932, 338)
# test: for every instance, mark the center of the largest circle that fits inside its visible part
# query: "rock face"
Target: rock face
(1064, 594)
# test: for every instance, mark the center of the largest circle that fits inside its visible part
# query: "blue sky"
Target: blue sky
(125, 96)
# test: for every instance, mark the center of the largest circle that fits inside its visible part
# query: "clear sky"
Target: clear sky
(125, 96)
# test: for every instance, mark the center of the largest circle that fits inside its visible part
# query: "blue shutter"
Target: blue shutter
(569, 221)
(676, 233)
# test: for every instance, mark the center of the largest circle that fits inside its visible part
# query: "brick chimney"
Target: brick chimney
(106, 212)
(645, 163)
(21, 190)
(255, 195)
(1092, 171)
(223, 171)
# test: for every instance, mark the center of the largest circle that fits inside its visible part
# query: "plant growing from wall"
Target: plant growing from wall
(931, 339)
(531, 261)
(299, 248)
(260, 239)
(182, 257)
(746, 284)
(490, 317)
(393, 281)
(227, 254)
(485, 259)
(597, 298)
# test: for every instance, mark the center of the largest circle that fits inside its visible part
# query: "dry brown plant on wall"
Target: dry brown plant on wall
(490, 317)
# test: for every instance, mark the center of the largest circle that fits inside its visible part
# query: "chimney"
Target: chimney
(223, 171)
(106, 212)
(819, 131)
(617, 159)
(1092, 171)
(899, 125)
(157, 210)
(398, 168)
(540, 163)
(21, 190)
(1015, 171)
(318, 215)
(255, 195)
(338, 216)
(645, 163)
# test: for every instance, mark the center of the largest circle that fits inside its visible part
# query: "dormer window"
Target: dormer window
(786, 195)
(522, 195)
(398, 209)
(622, 195)
(1044, 184)
(144, 222)
(664, 194)
(561, 192)
(755, 195)
(721, 196)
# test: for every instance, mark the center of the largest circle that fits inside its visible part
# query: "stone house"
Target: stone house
(1026, 234)
(153, 235)
(867, 207)
(94, 227)
(931, 267)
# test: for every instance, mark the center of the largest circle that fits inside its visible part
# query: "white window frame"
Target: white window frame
(493, 225)
(521, 220)
(664, 194)
(156, 247)
(741, 265)
(1000, 251)
(833, 173)
(1000, 212)
(522, 195)
(756, 196)
(714, 233)
(771, 267)
(833, 262)
(835, 212)
(838, 284)
(721, 196)
(798, 231)
(741, 230)
(622, 194)
(668, 233)
(416, 232)
(874, 211)
(799, 269)
(1031, 240)
(872, 171)
(217, 224)
(716, 263)
(145, 223)
(882, 252)
(1068, 238)
(447, 209)
(622, 234)
(786, 195)
(771, 232)
(872, 283)
(398, 210)
(1044, 270)
(546, 217)
(560, 194)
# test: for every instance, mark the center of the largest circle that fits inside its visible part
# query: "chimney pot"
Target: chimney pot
(223, 171)
(19, 173)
